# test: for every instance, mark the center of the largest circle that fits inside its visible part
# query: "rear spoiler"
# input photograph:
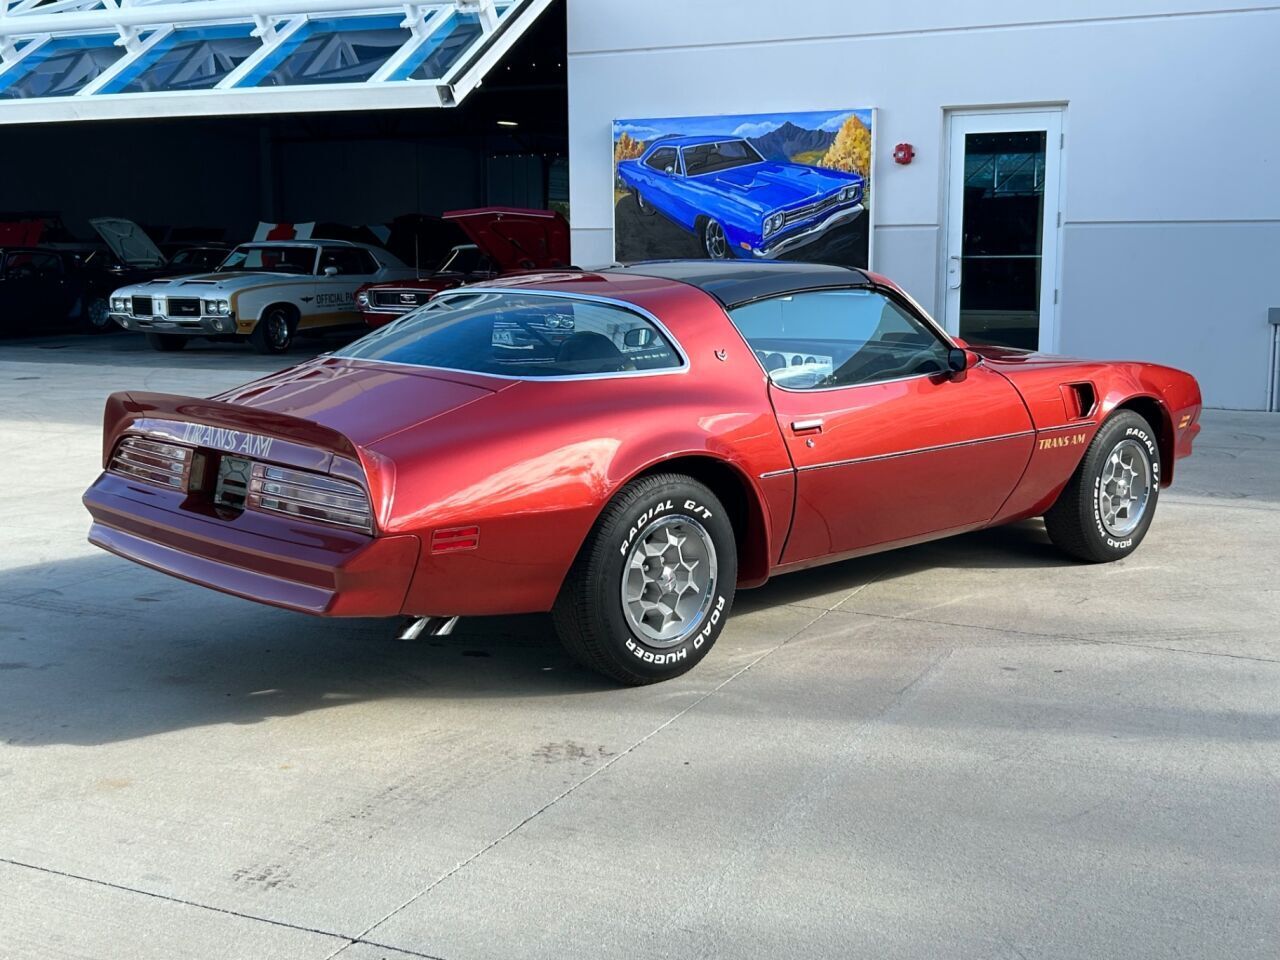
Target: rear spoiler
(257, 434)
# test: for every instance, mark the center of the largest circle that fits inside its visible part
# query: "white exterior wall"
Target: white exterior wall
(1171, 191)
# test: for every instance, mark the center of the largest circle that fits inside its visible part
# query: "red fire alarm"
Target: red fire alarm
(904, 153)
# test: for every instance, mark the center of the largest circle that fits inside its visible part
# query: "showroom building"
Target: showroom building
(1139, 143)
(1095, 178)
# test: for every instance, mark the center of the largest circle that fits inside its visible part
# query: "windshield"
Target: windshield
(710, 157)
(520, 335)
(466, 260)
(270, 259)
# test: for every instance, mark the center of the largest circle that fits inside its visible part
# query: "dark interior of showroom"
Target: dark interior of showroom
(216, 178)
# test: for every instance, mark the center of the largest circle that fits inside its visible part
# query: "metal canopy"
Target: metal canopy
(114, 59)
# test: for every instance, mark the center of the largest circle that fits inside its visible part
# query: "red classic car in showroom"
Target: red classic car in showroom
(705, 426)
(504, 241)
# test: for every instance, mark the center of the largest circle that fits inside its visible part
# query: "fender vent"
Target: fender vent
(1079, 399)
(453, 539)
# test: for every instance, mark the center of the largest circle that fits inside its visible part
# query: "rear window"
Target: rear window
(520, 335)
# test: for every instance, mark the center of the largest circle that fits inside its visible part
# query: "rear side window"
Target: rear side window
(520, 335)
(349, 261)
(39, 266)
(838, 338)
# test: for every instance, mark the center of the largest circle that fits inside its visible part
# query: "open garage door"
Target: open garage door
(102, 59)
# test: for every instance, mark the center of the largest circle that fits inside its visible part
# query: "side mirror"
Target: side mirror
(638, 337)
(957, 360)
(330, 271)
(669, 169)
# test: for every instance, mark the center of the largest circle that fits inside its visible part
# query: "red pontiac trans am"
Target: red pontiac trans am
(504, 241)
(703, 427)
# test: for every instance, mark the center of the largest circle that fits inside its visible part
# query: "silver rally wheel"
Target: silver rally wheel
(668, 581)
(1124, 488)
(1107, 506)
(653, 583)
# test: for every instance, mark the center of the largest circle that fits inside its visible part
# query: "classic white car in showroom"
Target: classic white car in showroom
(265, 292)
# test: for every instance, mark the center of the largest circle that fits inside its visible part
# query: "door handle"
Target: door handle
(807, 426)
(953, 273)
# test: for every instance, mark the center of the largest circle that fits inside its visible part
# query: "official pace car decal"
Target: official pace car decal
(232, 441)
(342, 298)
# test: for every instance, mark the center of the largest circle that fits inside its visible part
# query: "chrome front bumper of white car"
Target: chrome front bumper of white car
(783, 244)
(191, 326)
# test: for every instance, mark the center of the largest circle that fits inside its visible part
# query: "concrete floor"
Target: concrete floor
(973, 748)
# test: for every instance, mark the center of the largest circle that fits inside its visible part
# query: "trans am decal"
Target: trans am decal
(232, 441)
(790, 186)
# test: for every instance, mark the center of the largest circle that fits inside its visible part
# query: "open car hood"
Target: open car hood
(129, 242)
(517, 239)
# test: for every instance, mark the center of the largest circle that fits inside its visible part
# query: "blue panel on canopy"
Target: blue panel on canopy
(195, 58)
(332, 50)
(60, 67)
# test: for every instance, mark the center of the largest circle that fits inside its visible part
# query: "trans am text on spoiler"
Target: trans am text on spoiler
(690, 430)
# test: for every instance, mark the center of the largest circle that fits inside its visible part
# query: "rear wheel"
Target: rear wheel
(274, 330)
(166, 342)
(97, 315)
(652, 587)
(1107, 507)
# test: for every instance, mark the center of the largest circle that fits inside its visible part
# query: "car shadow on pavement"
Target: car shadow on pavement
(1023, 545)
(95, 650)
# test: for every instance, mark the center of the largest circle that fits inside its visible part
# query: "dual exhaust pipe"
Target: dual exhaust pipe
(416, 627)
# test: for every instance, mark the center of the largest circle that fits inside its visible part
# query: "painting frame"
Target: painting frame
(795, 185)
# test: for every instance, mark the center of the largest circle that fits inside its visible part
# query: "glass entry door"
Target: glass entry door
(1002, 228)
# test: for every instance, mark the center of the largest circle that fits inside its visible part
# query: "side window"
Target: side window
(838, 338)
(347, 260)
(47, 266)
(662, 159)
(368, 264)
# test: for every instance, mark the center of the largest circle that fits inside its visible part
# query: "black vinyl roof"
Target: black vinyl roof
(736, 282)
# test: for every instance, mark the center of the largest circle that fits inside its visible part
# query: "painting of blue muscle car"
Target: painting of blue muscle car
(793, 186)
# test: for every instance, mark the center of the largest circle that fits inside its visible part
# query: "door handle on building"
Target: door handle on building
(953, 273)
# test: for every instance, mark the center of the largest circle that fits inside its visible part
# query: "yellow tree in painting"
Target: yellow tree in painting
(851, 150)
(626, 148)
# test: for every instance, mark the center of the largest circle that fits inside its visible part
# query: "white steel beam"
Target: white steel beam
(109, 74)
(272, 36)
(471, 70)
(10, 56)
(420, 35)
(320, 98)
(149, 14)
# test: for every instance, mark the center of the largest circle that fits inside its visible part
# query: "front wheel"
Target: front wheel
(274, 331)
(714, 242)
(647, 208)
(1106, 508)
(652, 586)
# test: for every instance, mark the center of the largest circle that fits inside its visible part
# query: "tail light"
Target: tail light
(163, 464)
(310, 496)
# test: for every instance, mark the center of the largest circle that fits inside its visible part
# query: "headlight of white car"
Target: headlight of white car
(216, 308)
(120, 304)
